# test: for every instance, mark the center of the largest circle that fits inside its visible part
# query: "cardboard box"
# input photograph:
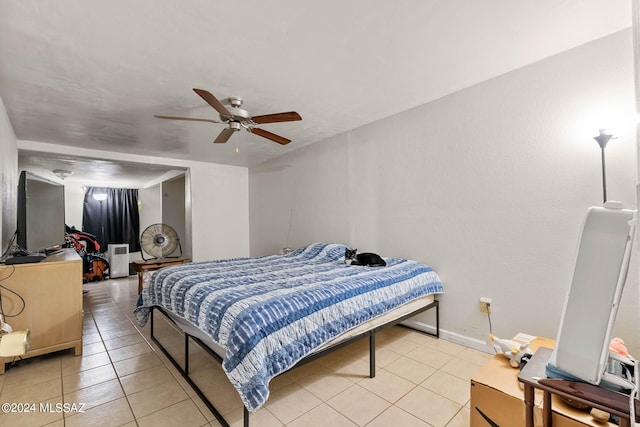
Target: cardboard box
(498, 397)
(496, 394)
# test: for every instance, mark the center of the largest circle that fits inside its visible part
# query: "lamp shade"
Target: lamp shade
(603, 138)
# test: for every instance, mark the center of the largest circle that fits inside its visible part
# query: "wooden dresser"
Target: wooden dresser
(52, 293)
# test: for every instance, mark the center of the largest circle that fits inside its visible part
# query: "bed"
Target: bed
(260, 317)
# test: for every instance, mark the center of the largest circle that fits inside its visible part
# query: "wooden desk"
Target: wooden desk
(140, 266)
(52, 293)
(533, 377)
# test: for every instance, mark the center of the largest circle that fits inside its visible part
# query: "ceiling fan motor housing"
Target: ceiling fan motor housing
(235, 101)
(237, 114)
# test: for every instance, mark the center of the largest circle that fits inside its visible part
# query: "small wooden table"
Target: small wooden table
(140, 266)
(533, 377)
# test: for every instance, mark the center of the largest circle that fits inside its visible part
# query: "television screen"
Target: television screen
(41, 222)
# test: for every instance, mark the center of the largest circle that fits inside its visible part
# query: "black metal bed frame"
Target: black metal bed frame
(372, 352)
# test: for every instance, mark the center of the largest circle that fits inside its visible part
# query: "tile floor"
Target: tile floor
(123, 380)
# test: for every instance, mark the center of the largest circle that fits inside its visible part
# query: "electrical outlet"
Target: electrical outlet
(485, 305)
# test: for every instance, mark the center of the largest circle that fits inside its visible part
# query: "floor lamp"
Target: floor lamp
(602, 139)
(101, 197)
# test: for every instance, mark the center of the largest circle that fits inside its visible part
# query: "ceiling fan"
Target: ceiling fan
(236, 118)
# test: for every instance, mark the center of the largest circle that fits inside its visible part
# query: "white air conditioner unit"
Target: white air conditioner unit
(118, 260)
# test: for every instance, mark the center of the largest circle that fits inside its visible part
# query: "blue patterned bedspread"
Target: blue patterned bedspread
(270, 312)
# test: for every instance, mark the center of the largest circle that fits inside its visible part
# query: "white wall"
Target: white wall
(150, 202)
(220, 211)
(73, 204)
(8, 179)
(488, 186)
(173, 207)
(150, 206)
(218, 201)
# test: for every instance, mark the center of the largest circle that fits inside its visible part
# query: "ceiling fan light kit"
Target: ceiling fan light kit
(237, 118)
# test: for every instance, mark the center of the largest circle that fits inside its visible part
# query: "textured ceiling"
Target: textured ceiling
(94, 172)
(92, 74)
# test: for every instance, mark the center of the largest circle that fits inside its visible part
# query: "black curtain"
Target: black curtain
(113, 220)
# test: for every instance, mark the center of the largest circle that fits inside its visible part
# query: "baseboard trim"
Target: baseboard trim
(450, 336)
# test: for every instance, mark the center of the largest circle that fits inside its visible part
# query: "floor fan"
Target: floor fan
(160, 241)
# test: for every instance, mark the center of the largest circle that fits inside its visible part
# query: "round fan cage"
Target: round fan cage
(160, 240)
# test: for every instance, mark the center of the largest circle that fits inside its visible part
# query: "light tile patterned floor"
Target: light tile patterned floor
(123, 380)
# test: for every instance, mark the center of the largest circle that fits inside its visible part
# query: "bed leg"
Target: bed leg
(151, 324)
(372, 355)
(186, 354)
(246, 417)
(437, 319)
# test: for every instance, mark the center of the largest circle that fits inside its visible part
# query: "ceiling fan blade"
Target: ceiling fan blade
(224, 136)
(290, 116)
(213, 101)
(186, 118)
(272, 136)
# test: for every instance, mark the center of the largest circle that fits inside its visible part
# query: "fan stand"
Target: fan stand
(165, 257)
